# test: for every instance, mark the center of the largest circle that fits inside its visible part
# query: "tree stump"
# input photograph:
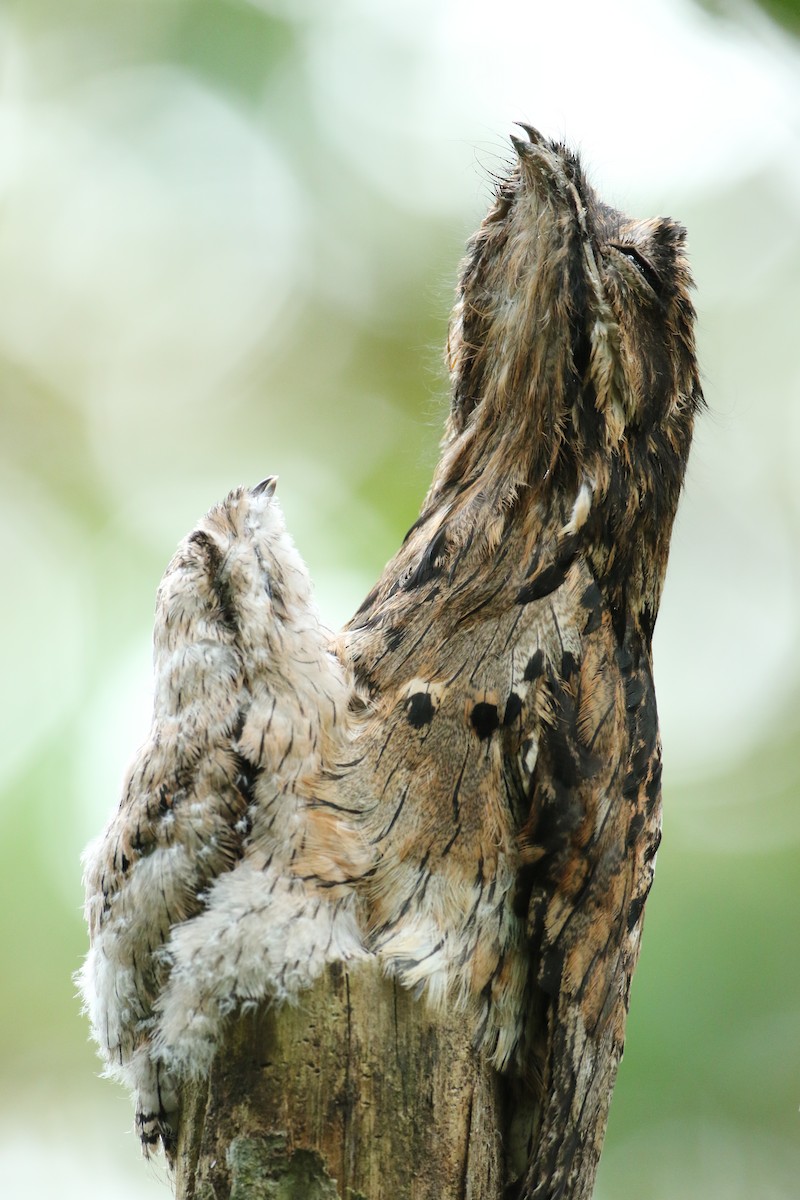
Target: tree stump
(358, 1092)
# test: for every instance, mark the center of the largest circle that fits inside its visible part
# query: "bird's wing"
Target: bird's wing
(589, 846)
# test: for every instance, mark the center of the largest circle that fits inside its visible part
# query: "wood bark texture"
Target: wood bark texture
(357, 1092)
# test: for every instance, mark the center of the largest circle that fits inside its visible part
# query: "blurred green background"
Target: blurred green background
(229, 234)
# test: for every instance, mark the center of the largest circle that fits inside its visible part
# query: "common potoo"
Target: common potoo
(466, 781)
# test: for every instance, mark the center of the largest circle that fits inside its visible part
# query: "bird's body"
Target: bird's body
(466, 782)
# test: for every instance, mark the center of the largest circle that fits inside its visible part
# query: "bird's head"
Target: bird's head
(571, 355)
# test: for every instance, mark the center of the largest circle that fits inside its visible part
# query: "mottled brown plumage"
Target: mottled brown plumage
(484, 814)
(514, 747)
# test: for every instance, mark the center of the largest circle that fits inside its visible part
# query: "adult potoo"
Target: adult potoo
(466, 782)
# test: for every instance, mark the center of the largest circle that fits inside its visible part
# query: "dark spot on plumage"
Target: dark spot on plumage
(570, 760)
(647, 719)
(652, 849)
(648, 272)
(550, 830)
(513, 709)
(580, 340)
(653, 786)
(648, 619)
(592, 597)
(238, 725)
(569, 664)
(635, 911)
(551, 968)
(535, 916)
(619, 612)
(543, 584)
(550, 578)
(624, 658)
(564, 760)
(466, 484)
(634, 829)
(419, 709)
(536, 561)
(430, 563)
(220, 585)
(634, 691)
(246, 777)
(644, 750)
(523, 888)
(484, 719)
(394, 638)
(206, 545)
(586, 416)
(593, 621)
(533, 667)
(640, 760)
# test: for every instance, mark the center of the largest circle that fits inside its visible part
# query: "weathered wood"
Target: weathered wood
(357, 1093)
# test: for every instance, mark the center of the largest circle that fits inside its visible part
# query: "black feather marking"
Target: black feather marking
(634, 829)
(551, 970)
(543, 584)
(397, 812)
(420, 709)
(630, 787)
(634, 691)
(452, 841)
(513, 709)
(569, 664)
(653, 787)
(652, 849)
(394, 638)
(484, 719)
(214, 565)
(635, 911)
(533, 667)
(592, 601)
(457, 789)
(429, 565)
(552, 577)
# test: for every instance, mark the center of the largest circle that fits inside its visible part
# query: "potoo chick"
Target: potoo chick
(465, 783)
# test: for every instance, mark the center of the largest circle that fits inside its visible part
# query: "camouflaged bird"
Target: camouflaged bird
(466, 782)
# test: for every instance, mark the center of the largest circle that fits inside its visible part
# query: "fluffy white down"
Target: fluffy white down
(262, 936)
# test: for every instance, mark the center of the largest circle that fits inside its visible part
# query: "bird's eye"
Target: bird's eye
(642, 265)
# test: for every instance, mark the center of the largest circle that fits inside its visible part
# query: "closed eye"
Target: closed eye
(642, 265)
